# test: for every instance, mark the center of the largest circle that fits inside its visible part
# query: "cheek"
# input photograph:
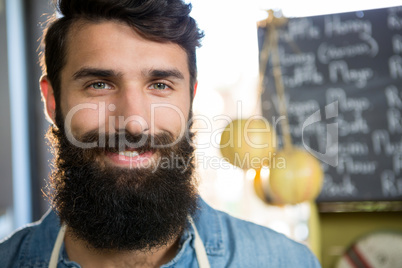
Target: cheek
(84, 117)
(170, 117)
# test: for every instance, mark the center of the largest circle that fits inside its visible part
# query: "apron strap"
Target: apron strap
(56, 249)
(202, 257)
(199, 248)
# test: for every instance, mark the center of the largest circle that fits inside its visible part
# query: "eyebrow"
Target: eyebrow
(164, 73)
(153, 73)
(95, 72)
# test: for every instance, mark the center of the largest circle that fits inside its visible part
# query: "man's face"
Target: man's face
(118, 85)
(114, 80)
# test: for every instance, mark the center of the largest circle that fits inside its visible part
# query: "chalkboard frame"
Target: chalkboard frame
(367, 206)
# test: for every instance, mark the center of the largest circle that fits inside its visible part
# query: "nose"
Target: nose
(131, 112)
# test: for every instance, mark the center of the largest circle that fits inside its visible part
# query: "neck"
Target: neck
(80, 252)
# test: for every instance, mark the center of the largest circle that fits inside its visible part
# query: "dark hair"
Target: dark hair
(157, 20)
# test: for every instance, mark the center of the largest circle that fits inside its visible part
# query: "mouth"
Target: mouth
(131, 158)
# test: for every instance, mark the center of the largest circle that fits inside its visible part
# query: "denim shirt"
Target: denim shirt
(228, 241)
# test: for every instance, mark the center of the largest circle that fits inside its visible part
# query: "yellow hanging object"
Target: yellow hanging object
(260, 179)
(295, 176)
(258, 186)
(248, 143)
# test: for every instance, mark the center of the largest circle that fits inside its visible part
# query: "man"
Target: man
(119, 79)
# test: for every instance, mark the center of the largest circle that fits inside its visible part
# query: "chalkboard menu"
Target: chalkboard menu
(352, 64)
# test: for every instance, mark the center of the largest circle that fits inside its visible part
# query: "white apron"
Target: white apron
(199, 248)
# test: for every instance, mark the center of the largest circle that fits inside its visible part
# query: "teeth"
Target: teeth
(129, 153)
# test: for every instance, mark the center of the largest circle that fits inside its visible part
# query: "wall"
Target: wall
(5, 127)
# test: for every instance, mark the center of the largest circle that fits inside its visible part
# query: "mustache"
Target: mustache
(163, 143)
(122, 141)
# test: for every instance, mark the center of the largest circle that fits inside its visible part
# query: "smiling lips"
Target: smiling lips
(131, 158)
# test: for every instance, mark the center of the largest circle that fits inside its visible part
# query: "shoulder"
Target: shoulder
(12, 247)
(245, 243)
(30, 244)
(264, 245)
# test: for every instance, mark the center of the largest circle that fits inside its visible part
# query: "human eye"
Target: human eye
(159, 86)
(100, 85)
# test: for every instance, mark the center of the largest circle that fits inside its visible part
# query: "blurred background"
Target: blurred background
(345, 212)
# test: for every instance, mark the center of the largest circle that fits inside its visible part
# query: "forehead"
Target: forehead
(117, 44)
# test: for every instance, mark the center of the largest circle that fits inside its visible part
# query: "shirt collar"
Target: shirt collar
(209, 226)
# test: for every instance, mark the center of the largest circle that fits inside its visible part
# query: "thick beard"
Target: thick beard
(113, 208)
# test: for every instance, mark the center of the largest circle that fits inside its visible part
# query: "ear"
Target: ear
(195, 88)
(48, 98)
